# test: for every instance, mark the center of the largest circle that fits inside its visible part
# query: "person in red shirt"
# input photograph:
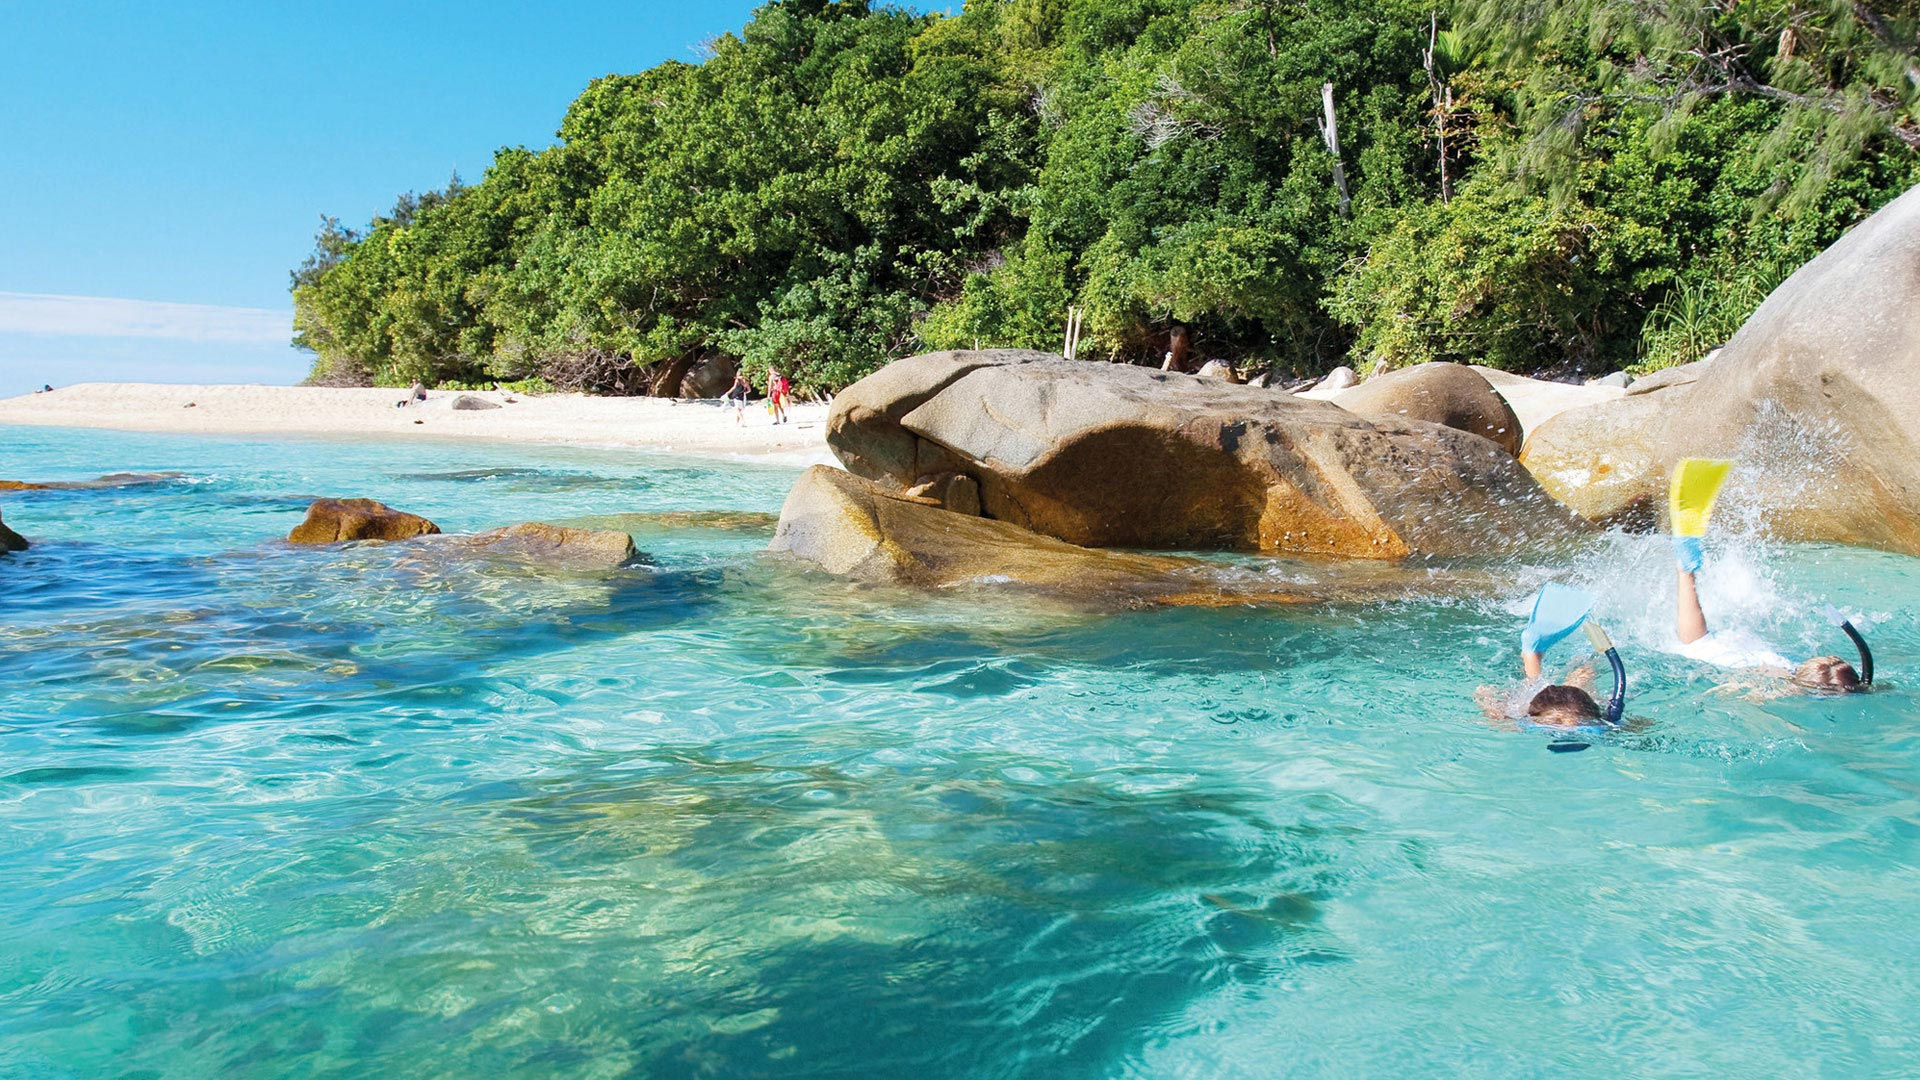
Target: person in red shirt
(778, 388)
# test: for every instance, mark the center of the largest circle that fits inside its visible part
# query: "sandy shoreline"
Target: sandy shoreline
(701, 428)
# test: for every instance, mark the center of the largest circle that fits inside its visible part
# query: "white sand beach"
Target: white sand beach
(704, 428)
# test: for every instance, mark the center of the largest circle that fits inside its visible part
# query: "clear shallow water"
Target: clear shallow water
(271, 812)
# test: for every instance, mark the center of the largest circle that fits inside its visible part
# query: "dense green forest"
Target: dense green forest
(1573, 185)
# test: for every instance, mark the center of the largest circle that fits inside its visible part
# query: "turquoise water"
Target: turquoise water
(271, 812)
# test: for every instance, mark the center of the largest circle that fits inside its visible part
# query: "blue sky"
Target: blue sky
(180, 155)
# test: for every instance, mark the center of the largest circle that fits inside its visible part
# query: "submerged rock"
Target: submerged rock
(10, 540)
(1817, 395)
(111, 480)
(856, 528)
(1453, 395)
(558, 545)
(669, 522)
(1111, 455)
(332, 521)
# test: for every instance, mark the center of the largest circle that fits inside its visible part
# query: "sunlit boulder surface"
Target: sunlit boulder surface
(1817, 395)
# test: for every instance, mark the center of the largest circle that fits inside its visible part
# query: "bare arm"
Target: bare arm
(1689, 621)
(1531, 662)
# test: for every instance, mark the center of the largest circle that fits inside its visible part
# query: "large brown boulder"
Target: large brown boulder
(1453, 395)
(331, 521)
(10, 540)
(1110, 455)
(559, 546)
(856, 528)
(1817, 395)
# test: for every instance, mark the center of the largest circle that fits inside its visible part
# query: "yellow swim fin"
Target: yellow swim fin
(1696, 484)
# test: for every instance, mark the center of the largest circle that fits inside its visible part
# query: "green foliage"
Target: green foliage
(517, 386)
(840, 184)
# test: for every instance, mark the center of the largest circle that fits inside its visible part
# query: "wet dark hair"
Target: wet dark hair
(1828, 673)
(1563, 703)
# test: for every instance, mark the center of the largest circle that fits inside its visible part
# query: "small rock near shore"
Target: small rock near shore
(1340, 378)
(10, 540)
(469, 403)
(332, 521)
(1218, 369)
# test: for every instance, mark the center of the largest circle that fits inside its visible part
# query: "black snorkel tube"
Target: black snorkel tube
(1866, 654)
(1617, 704)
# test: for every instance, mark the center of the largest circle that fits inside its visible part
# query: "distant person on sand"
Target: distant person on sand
(737, 395)
(1738, 649)
(778, 389)
(47, 389)
(418, 392)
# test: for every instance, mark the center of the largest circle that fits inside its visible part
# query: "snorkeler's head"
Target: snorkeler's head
(1563, 706)
(1829, 673)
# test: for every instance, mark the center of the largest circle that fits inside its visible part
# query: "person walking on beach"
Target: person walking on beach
(736, 396)
(777, 390)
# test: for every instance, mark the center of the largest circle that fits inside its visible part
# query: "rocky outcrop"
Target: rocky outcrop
(1817, 395)
(332, 521)
(864, 427)
(852, 527)
(1453, 395)
(709, 377)
(10, 540)
(558, 546)
(1109, 455)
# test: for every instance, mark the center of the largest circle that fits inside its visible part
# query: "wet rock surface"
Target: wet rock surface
(557, 546)
(853, 527)
(107, 482)
(331, 521)
(10, 540)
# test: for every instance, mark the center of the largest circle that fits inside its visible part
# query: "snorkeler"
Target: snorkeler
(1694, 490)
(1828, 674)
(1557, 612)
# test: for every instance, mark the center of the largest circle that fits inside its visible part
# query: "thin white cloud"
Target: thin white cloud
(105, 316)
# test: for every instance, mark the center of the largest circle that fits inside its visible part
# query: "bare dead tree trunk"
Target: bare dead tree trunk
(1330, 131)
(1442, 105)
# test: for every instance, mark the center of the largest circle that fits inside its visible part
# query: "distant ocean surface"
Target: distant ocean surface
(350, 812)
